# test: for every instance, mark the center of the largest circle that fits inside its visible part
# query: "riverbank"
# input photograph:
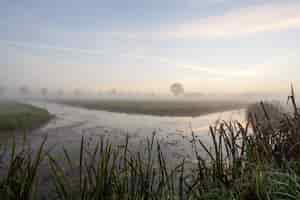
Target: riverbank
(171, 108)
(17, 116)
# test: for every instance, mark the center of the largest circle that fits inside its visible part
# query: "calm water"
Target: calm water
(70, 124)
(174, 133)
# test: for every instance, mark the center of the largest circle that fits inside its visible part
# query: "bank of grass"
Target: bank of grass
(157, 107)
(252, 161)
(18, 116)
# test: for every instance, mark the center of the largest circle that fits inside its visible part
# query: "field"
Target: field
(17, 116)
(157, 107)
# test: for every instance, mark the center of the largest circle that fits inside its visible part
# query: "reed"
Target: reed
(20, 180)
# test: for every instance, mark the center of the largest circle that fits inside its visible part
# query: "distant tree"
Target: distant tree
(60, 92)
(2, 90)
(77, 92)
(24, 90)
(113, 91)
(44, 91)
(177, 89)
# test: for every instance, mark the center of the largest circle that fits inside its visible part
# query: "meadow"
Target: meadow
(17, 116)
(157, 107)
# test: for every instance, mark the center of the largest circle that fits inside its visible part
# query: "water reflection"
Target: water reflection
(174, 133)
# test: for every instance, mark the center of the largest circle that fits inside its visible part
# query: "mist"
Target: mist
(149, 99)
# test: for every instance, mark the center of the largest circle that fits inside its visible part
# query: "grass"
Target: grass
(15, 116)
(21, 174)
(157, 107)
(252, 161)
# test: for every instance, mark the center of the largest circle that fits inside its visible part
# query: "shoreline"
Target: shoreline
(156, 108)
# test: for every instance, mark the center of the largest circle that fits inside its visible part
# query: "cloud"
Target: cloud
(51, 47)
(237, 23)
(223, 71)
(216, 71)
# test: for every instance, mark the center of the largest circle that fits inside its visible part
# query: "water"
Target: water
(70, 124)
(174, 133)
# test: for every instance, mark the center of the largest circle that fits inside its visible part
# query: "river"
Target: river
(174, 133)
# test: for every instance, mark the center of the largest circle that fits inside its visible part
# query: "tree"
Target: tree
(77, 92)
(177, 89)
(113, 91)
(60, 93)
(24, 90)
(44, 91)
(2, 90)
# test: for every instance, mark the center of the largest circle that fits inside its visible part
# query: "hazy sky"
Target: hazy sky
(208, 45)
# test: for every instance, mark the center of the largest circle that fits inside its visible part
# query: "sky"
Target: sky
(215, 46)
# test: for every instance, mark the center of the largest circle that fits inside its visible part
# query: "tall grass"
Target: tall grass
(257, 160)
(108, 173)
(20, 179)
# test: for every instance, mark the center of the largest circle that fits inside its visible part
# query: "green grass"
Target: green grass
(15, 116)
(158, 107)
